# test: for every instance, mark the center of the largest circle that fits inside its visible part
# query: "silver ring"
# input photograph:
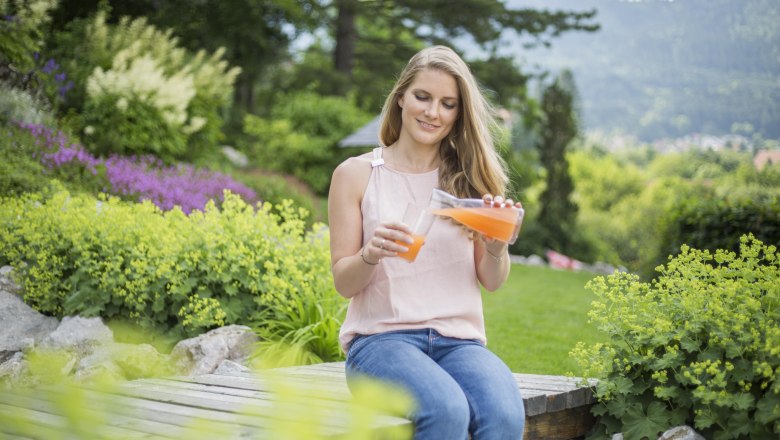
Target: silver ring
(382, 244)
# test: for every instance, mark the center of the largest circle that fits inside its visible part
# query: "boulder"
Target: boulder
(203, 354)
(12, 370)
(535, 260)
(77, 334)
(123, 361)
(7, 283)
(228, 368)
(23, 327)
(681, 433)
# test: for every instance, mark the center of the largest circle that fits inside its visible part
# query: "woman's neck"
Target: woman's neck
(412, 158)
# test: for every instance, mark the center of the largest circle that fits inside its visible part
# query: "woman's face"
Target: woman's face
(429, 107)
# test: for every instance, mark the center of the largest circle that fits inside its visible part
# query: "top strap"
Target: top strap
(377, 160)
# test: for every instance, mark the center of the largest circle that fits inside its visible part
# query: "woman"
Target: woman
(420, 324)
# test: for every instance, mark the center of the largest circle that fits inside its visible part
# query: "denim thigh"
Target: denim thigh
(459, 386)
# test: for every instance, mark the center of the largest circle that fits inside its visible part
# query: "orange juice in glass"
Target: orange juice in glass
(502, 224)
(419, 220)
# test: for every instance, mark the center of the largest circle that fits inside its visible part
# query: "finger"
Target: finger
(498, 201)
(508, 203)
(487, 198)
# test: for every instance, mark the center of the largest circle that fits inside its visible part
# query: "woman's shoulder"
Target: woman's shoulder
(354, 171)
(356, 165)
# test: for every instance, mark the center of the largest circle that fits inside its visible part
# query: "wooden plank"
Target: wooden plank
(333, 413)
(181, 416)
(42, 400)
(563, 425)
(48, 425)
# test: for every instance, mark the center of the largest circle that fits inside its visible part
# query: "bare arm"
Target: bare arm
(492, 256)
(353, 264)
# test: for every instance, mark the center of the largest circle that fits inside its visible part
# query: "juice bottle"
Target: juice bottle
(502, 224)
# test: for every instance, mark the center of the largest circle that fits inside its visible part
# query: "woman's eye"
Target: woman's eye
(421, 98)
(448, 106)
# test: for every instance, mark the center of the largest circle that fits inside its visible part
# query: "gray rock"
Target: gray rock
(517, 259)
(203, 354)
(7, 283)
(12, 370)
(23, 327)
(535, 260)
(618, 436)
(228, 367)
(78, 334)
(683, 432)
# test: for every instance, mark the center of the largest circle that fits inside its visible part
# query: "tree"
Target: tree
(440, 21)
(255, 33)
(558, 213)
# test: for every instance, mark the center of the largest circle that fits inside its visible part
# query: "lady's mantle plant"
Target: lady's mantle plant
(700, 345)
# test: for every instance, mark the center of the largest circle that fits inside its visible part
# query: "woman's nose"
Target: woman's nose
(431, 110)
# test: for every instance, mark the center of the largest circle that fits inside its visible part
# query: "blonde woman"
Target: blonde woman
(420, 325)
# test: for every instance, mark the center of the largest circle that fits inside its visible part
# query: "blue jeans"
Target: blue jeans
(459, 386)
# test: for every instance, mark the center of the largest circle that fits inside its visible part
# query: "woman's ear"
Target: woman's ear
(401, 101)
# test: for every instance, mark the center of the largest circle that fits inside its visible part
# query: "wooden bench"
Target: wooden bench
(244, 405)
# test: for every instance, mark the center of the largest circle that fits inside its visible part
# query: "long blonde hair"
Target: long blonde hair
(470, 165)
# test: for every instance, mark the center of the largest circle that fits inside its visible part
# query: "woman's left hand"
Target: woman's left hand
(499, 202)
(496, 247)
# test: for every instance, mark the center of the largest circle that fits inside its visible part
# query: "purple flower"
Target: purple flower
(144, 177)
(60, 77)
(62, 90)
(50, 66)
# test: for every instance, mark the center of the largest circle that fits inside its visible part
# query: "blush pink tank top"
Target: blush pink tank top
(438, 290)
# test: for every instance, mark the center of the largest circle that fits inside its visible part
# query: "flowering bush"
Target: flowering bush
(700, 345)
(140, 92)
(137, 178)
(165, 270)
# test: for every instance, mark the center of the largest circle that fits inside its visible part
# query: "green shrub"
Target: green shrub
(302, 134)
(165, 270)
(20, 172)
(700, 345)
(275, 188)
(717, 223)
(21, 32)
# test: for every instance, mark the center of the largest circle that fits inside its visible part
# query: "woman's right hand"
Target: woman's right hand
(385, 241)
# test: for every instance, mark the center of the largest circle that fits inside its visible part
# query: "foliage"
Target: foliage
(134, 178)
(163, 270)
(21, 33)
(699, 346)
(373, 35)
(558, 212)
(141, 91)
(717, 223)
(274, 189)
(20, 172)
(17, 105)
(301, 136)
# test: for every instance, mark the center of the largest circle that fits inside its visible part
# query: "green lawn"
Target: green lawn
(537, 317)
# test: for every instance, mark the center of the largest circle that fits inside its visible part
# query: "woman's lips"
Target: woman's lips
(427, 126)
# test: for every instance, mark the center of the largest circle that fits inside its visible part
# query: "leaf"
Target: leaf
(768, 409)
(705, 418)
(638, 423)
(742, 401)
